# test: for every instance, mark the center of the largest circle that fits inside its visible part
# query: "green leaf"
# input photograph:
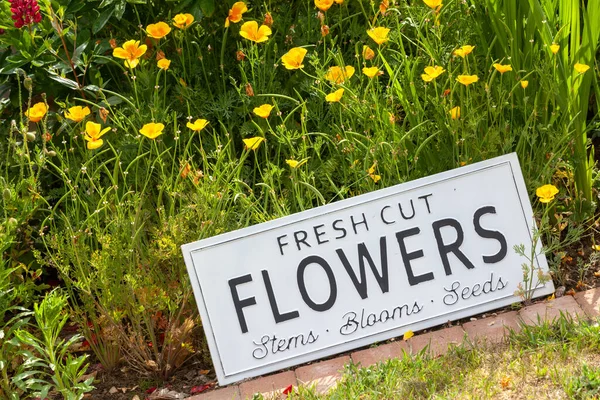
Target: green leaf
(120, 9)
(207, 7)
(105, 3)
(16, 59)
(71, 84)
(78, 51)
(102, 19)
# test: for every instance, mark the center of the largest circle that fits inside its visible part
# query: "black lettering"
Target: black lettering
(407, 257)
(416, 309)
(311, 338)
(319, 234)
(295, 340)
(274, 307)
(281, 345)
(383, 219)
(339, 229)
(452, 296)
(262, 351)
(355, 224)
(402, 212)
(399, 309)
(363, 254)
(351, 324)
(466, 293)
(489, 288)
(501, 284)
(281, 244)
(489, 234)
(303, 240)
(240, 304)
(387, 316)
(424, 197)
(302, 283)
(454, 248)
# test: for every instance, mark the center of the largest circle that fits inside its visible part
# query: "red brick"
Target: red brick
(372, 356)
(550, 310)
(492, 329)
(437, 341)
(228, 393)
(589, 301)
(268, 386)
(323, 375)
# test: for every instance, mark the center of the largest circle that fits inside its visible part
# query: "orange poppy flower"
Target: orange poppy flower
(235, 14)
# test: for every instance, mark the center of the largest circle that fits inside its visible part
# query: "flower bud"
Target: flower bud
(6, 194)
(28, 84)
(30, 136)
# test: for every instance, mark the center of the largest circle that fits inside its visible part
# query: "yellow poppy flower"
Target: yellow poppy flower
(334, 97)
(198, 125)
(371, 72)
(408, 335)
(554, 48)
(293, 59)
(376, 178)
(379, 34)
(77, 113)
(182, 21)
(251, 31)
(158, 30)
(581, 68)
(163, 63)
(433, 4)
(152, 130)
(295, 164)
(36, 112)
(323, 5)
(502, 68)
(235, 14)
(339, 75)
(92, 135)
(467, 79)
(464, 51)
(431, 73)
(253, 143)
(546, 193)
(455, 113)
(131, 52)
(263, 111)
(524, 84)
(339, 1)
(368, 53)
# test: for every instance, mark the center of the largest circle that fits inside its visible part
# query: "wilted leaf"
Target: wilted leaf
(199, 389)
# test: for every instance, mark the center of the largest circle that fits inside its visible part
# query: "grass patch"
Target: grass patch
(552, 360)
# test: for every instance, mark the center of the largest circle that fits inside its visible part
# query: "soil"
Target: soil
(193, 378)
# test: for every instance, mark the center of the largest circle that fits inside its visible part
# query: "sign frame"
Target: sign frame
(527, 214)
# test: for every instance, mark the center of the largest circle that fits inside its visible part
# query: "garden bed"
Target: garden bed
(132, 128)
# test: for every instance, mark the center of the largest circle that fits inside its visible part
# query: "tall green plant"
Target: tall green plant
(575, 27)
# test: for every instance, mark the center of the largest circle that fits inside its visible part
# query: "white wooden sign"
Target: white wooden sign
(363, 270)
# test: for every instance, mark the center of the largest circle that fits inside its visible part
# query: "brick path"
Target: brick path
(325, 374)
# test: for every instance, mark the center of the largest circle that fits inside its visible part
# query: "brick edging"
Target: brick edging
(324, 375)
